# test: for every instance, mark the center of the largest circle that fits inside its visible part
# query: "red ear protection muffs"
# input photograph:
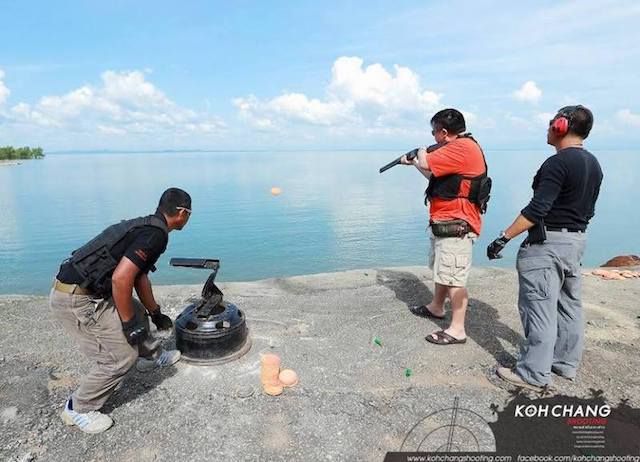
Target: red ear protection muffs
(562, 123)
(560, 126)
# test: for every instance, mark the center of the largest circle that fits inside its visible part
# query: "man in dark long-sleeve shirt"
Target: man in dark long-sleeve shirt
(566, 188)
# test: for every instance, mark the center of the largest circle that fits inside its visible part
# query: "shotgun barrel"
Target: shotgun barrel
(410, 156)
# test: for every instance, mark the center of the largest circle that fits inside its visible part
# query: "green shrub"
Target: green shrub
(11, 153)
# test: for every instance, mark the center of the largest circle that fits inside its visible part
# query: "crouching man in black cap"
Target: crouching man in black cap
(565, 191)
(92, 299)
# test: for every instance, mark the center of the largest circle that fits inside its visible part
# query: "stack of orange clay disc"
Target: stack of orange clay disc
(269, 370)
(274, 381)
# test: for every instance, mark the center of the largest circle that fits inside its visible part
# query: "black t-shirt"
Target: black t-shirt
(565, 190)
(143, 246)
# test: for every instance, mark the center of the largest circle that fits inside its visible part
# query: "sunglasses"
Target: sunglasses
(185, 209)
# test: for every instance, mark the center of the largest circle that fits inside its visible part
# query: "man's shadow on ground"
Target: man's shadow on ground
(482, 321)
(136, 384)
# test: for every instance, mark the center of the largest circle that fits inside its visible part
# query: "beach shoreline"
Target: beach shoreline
(10, 162)
(165, 288)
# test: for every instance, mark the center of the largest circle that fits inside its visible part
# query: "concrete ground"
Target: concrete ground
(354, 400)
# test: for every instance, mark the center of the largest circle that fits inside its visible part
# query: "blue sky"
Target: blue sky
(321, 75)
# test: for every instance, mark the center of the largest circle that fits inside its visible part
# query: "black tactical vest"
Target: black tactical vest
(447, 187)
(94, 261)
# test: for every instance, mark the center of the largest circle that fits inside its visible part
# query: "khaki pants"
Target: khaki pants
(450, 259)
(96, 326)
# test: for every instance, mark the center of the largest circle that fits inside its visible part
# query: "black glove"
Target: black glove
(162, 321)
(494, 249)
(133, 331)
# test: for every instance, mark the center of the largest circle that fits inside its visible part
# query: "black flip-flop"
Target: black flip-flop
(423, 312)
(444, 339)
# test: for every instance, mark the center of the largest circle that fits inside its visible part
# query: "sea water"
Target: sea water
(335, 212)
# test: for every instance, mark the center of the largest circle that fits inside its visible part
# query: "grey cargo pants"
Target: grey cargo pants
(95, 324)
(550, 305)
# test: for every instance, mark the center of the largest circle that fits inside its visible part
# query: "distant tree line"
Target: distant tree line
(11, 153)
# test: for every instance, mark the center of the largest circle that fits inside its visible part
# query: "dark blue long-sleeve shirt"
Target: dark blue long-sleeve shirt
(565, 190)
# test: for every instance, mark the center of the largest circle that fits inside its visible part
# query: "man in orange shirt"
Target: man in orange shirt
(457, 195)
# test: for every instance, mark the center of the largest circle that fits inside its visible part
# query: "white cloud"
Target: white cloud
(131, 88)
(4, 91)
(528, 92)
(628, 117)
(375, 86)
(293, 107)
(367, 97)
(544, 117)
(124, 103)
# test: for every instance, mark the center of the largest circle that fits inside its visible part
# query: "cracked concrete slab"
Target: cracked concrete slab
(354, 398)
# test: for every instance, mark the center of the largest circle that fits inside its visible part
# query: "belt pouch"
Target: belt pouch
(453, 228)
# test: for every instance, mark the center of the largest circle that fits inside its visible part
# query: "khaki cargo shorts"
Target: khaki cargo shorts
(450, 259)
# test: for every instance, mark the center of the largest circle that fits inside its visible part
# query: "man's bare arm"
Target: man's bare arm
(421, 159)
(122, 283)
(425, 172)
(420, 162)
(520, 225)
(145, 292)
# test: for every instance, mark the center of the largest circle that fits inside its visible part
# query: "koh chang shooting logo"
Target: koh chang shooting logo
(576, 414)
(567, 425)
(554, 425)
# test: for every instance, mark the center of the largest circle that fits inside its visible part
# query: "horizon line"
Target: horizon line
(187, 150)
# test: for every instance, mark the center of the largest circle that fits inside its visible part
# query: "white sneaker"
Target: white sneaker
(163, 359)
(88, 422)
